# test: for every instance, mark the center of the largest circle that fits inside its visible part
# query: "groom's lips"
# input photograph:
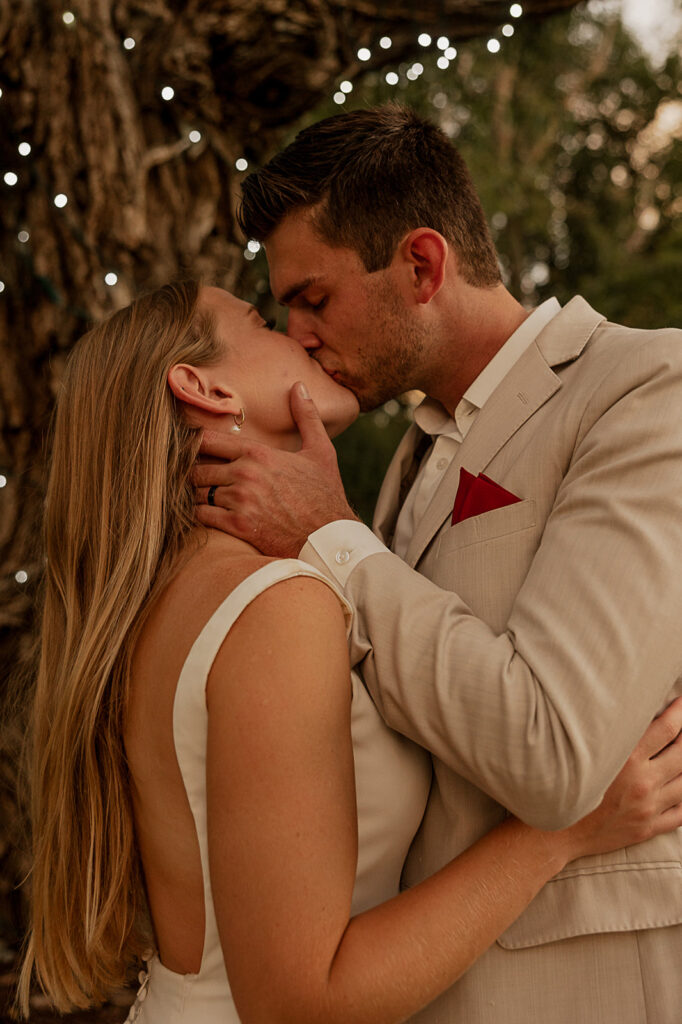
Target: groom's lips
(336, 375)
(337, 378)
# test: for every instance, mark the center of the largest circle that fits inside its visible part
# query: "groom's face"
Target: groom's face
(354, 323)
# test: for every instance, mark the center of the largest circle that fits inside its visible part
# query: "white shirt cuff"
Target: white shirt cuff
(341, 546)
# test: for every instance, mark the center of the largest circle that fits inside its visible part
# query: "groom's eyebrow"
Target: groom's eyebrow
(296, 289)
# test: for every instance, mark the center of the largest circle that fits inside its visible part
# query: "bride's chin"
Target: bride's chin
(337, 416)
(337, 426)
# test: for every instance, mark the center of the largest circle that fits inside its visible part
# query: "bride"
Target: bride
(208, 779)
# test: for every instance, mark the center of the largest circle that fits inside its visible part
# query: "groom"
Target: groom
(518, 608)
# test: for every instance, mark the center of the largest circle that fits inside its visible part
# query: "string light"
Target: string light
(346, 87)
(24, 148)
(241, 164)
(111, 278)
(2, 288)
(168, 92)
(493, 45)
(339, 97)
(194, 136)
(68, 17)
(424, 39)
(364, 53)
(23, 236)
(21, 576)
(508, 30)
(450, 53)
(61, 200)
(392, 78)
(129, 43)
(253, 246)
(443, 63)
(442, 42)
(10, 178)
(516, 10)
(3, 480)
(385, 42)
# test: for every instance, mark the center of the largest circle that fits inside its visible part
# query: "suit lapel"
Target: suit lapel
(527, 386)
(388, 502)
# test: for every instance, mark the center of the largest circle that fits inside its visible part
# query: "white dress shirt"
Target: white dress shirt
(345, 543)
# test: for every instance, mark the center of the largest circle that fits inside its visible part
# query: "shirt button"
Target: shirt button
(342, 557)
(441, 464)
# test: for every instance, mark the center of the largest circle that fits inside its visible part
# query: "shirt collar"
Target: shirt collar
(433, 418)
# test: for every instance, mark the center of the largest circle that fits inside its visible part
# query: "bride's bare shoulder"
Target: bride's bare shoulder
(213, 565)
(205, 574)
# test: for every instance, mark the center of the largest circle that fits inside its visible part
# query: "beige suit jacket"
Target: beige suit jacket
(533, 645)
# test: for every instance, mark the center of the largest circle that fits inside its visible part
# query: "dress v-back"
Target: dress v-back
(392, 780)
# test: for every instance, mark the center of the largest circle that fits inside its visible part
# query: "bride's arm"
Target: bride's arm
(283, 836)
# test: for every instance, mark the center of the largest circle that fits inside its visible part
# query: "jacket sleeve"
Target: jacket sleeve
(543, 716)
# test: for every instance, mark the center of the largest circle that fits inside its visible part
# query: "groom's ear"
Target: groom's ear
(424, 253)
(200, 388)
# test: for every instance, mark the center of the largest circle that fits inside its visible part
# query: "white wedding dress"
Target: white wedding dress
(392, 779)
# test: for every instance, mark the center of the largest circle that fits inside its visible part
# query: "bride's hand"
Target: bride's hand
(645, 798)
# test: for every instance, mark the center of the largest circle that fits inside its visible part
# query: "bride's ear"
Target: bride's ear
(198, 386)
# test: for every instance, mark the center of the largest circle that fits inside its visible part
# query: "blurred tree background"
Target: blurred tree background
(126, 125)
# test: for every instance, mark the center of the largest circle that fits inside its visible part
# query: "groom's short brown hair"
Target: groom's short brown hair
(369, 177)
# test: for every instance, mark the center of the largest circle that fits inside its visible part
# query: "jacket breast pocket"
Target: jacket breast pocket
(486, 558)
(500, 522)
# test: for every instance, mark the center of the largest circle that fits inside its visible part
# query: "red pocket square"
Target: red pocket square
(478, 494)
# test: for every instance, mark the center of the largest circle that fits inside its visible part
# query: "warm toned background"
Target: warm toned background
(126, 126)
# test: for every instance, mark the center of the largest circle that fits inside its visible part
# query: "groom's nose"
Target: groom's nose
(300, 330)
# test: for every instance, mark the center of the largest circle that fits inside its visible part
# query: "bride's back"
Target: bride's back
(163, 820)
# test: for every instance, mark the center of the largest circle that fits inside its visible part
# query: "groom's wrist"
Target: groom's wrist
(341, 546)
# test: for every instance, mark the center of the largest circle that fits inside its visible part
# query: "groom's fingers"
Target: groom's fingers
(224, 446)
(219, 495)
(228, 521)
(224, 454)
(206, 476)
(307, 418)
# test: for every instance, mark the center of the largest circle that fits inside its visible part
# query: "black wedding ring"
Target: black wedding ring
(211, 494)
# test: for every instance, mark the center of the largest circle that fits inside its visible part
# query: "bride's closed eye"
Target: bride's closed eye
(271, 324)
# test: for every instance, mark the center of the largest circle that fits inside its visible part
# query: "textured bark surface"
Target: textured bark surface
(143, 201)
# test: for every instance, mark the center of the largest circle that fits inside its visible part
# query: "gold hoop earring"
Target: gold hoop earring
(238, 422)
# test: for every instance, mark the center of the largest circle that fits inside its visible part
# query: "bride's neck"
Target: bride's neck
(209, 539)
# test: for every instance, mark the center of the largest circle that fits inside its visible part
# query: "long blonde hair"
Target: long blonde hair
(119, 509)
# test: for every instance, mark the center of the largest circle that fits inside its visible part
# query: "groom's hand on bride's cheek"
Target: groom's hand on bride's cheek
(273, 499)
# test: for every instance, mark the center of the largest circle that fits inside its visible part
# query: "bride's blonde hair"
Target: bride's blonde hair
(119, 508)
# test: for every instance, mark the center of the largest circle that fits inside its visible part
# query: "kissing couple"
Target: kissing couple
(313, 773)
